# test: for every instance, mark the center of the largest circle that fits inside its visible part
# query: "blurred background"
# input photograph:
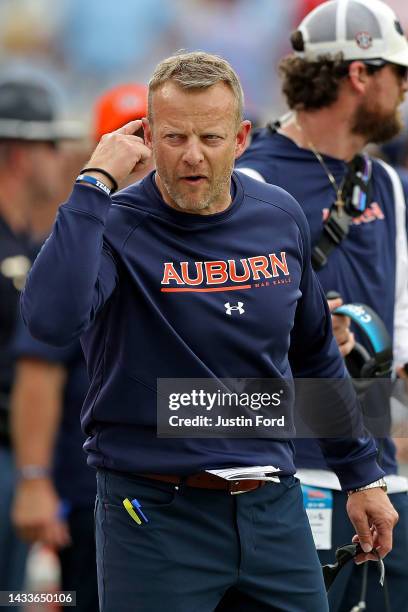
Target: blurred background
(81, 48)
(84, 47)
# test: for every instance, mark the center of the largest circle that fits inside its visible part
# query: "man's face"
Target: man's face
(45, 170)
(195, 138)
(378, 117)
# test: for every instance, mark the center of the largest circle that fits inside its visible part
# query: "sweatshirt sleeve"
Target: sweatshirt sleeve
(74, 273)
(314, 355)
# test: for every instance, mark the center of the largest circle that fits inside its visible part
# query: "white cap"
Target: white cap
(360, 29)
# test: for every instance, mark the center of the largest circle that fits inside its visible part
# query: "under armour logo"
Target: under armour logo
(238, 307)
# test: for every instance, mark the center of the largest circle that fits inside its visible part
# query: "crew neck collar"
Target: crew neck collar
(185, 218)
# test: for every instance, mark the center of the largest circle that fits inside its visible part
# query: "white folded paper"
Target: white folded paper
(259, 472)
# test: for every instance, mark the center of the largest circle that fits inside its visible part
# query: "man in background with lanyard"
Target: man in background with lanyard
(344, 84)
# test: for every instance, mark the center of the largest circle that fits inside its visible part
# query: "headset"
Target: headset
(364, 365)
(343, 555)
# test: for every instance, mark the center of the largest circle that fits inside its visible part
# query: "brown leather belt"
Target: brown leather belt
(204, 480)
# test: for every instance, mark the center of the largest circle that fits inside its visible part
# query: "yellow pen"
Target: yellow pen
(129, 508)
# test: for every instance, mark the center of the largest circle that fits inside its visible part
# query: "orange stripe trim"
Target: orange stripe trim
(212, 289)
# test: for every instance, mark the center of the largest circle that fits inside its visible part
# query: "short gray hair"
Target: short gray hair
(196, 70)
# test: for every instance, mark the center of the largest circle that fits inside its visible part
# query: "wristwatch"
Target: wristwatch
(377, 484)
(33, 472)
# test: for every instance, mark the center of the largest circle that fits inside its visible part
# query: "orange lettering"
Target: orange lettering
(184, 272)
(259, 264)
(279, 263)
(170, 274)
(216, 272)
(233, 271)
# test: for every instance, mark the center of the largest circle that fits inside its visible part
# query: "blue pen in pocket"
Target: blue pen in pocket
(137, 506)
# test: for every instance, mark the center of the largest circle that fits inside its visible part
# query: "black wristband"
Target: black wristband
(105, 173)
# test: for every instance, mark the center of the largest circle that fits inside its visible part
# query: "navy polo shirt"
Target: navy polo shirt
(15, 261)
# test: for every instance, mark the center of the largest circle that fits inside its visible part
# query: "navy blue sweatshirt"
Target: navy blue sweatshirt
(145, 288)
(362, 268)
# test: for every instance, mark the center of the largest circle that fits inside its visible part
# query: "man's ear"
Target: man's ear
(147, 131)
(358, 76)
(242, 137)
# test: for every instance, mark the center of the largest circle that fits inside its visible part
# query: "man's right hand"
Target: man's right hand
(120, 153)
(341, 328)
(35, 513)
(374, 518)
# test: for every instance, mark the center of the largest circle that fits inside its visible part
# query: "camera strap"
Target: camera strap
(353, 197)
(356, 195)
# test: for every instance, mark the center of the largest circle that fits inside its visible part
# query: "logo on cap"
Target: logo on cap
(364, 40)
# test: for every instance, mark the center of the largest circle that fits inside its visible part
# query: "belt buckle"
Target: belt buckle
(236, 482)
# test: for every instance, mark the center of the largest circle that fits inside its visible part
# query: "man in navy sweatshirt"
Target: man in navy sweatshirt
(195, 272)
(344, 83)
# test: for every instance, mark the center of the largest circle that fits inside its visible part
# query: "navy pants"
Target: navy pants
(345, 592)
(200, 546)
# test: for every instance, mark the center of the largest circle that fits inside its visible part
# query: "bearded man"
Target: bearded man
(344, 84)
